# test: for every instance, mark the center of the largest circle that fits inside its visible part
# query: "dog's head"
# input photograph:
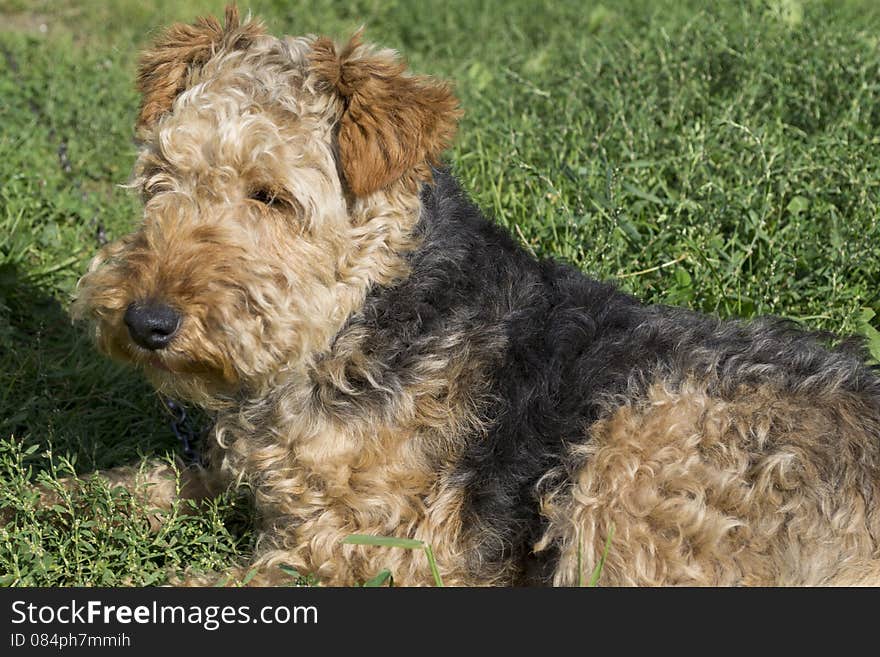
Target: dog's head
(280, 181)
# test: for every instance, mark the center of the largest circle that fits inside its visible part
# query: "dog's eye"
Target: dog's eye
(265, 196)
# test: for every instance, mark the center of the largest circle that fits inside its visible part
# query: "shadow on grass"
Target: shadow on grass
(57, 391)
(58, 394)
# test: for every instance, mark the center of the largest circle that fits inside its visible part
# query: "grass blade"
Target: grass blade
(290, 570)
(379, 580)
(438, 581)
(597, 571)
(391, 541)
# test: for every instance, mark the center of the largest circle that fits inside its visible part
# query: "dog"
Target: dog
(380, 358)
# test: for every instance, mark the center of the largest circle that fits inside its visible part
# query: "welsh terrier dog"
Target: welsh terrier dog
(380, 358)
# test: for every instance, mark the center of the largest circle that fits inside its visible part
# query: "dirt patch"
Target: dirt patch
(25, 21)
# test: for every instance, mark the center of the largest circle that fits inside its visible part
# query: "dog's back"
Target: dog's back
(715, 452)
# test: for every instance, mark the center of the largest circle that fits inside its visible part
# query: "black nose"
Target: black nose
(152, 325)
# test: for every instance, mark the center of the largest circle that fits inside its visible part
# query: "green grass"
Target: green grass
(718, 155)
(392, 541)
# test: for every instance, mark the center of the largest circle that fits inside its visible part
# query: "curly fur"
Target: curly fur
(382, 359)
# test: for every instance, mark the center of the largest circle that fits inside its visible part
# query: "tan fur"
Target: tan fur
(320, 477)
(224, 125)
(200, 228)
(164, 70)
(767, 489)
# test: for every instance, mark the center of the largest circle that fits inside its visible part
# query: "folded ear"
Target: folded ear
(165, 69)
(394, 125)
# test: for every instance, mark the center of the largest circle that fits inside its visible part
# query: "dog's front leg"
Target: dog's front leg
(156, 485)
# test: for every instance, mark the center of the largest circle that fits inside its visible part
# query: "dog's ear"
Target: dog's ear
(394, 125)
(165, 68)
